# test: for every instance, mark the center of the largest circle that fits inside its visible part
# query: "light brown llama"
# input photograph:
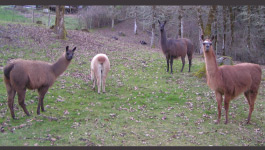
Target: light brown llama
(231, 81)
(20, 75)
(100, 66)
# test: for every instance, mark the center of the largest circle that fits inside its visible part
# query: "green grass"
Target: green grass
(10, 15)
(143, 104)
(7, 14)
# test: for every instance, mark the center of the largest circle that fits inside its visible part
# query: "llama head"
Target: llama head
(207, 43)
(69, 53)
(162, 26)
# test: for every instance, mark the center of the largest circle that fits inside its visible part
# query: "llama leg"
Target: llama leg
(21, 99)
(94, 84)
(183, 63)
(93, 79)
(42, 91)
(11, 95)
(99, 82)
(103, 84)
(252, 100)
(227, 101)
(171, 63)
(219, 100)
(167, 64)
(190, 63)
(104, 76)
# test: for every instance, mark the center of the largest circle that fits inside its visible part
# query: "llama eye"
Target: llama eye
(67, 53)
(203, 43)
(210, 43)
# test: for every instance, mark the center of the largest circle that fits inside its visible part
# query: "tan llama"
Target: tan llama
(100, 67)
(231, 81)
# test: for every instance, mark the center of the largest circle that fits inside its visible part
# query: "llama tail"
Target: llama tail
(7, 70)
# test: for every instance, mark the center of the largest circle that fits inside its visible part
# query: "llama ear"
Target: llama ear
(74, 49)
(67, 48)
(212, 38)
(202, 37)
(159, 22)
(165, 22)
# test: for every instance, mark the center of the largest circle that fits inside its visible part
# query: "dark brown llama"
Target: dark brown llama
(174, 48)
(231, 81)
(20, 75)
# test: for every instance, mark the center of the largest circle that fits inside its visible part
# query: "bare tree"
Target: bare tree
(135, 20)
(59, 22)
(153, 26)
(49, 17)
(232, 23)
(207, 31)
(33, 17)
(180, 32)
(224, 30)
(112, 16)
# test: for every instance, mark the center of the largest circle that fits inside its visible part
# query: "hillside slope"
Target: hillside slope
(143, 104)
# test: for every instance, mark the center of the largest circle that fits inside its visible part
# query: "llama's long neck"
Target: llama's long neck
(60, 66)
(163, 40)
(211, 65)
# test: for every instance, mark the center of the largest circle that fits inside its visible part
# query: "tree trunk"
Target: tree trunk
(33, 15)
(248, 34)
(248, 27)
(49, 18)
(135, 27)
(216, 31)
(153, 27)
(200, 25)
(59, 22)
(208, 29)
(112, 17)
(232, 24)
(91, 21)
(211, 17)
(180, 32)
(112, 22)
(224, 31)
(135, 21)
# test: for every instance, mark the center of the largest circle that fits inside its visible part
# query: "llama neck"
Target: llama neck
(211, 65)
(163, 40)
(60, 66)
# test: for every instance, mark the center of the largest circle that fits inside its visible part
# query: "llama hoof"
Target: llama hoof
(43, 110)
(28, 114)
(226, 122)
(15, 118)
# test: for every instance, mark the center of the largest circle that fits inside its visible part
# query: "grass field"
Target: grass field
(143, 104)
(11, 15)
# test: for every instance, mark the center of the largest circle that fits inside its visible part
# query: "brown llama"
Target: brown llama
(174, 48)
(20, 75)
(231, 81)
(100, 67)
